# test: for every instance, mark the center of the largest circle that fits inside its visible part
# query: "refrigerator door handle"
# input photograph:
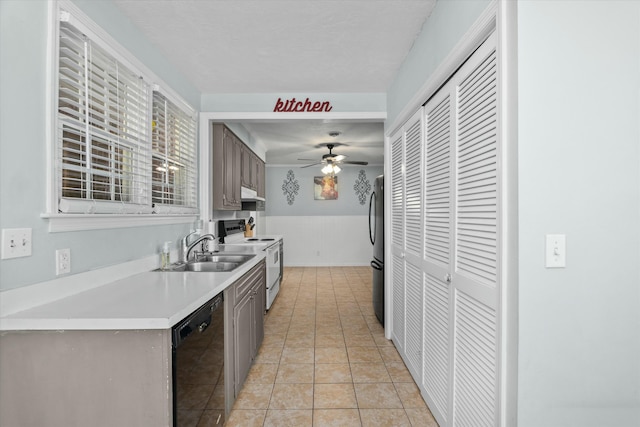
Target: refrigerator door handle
(376, 265)
(372, 237)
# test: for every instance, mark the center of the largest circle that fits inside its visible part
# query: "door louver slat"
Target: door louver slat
(397, 239)
(438, 210)
(476, 188)
(413, 345)
(399, 301)
(413, 181)
(397, 194)
(436, 341)
(475, 363)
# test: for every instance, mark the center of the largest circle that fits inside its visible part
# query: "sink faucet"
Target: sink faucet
(184, 245)
(200, 239)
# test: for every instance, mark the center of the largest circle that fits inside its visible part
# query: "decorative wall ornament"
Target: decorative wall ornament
(290, 187)
(362, 187)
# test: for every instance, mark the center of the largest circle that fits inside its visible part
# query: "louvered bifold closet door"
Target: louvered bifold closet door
(413, 139)
(438, 237)
(475, 284)
(397, 240)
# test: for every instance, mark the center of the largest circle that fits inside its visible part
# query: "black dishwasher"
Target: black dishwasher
(198, 366)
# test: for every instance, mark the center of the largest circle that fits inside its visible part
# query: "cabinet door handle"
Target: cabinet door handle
(447, 278)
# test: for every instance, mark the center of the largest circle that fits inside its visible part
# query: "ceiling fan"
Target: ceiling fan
(333, 159)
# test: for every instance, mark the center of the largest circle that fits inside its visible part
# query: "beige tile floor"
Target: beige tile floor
(325, 361)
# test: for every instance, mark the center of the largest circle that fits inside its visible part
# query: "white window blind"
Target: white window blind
(103, 142)
(124, 142)
(174, 156)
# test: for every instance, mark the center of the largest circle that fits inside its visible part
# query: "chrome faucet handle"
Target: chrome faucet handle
(186, 238)
(184, 246)
(200, 239)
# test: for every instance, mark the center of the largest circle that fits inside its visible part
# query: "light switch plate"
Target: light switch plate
(16, 242)
(556, 251)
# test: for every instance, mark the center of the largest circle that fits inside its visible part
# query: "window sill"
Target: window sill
(59, 223)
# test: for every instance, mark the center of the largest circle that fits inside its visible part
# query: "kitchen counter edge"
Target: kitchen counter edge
(149, 300)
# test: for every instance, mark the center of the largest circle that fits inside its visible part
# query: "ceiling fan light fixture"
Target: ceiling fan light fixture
(331, 169)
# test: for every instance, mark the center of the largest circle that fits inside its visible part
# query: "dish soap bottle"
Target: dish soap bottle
(165, 256)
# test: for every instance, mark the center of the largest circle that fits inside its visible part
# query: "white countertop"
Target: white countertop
(151, 300)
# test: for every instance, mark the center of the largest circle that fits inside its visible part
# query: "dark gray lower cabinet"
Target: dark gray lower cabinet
(244, 340)
(259, 303)
(97, 378)
(244, 327)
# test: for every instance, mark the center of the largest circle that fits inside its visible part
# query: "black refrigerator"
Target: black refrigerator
(376, 235)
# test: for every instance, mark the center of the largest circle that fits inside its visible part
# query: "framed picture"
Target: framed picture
(325, 187)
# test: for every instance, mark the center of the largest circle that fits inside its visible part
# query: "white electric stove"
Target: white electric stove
(231, 238)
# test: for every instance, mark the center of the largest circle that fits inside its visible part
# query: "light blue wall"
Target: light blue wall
(448, 22)
(23, 39)
(579, 175)
(348, 202)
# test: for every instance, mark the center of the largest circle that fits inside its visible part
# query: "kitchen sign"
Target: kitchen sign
(294, 106)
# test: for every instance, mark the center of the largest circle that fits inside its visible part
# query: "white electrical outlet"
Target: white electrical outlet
(16, 242)
(63, 261)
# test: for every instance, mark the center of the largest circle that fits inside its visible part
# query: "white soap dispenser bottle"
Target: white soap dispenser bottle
(165, 256)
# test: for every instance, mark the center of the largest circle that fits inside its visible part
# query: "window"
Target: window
(122, 145)
(174, 156)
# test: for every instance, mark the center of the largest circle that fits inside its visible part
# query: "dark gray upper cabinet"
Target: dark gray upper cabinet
(246, 171)
(234, 166)
(260, 178)
(227, 157)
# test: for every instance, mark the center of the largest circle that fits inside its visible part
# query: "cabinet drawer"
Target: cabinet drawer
(245, 283)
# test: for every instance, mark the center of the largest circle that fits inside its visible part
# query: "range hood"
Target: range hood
(249, 195)
(250, 200)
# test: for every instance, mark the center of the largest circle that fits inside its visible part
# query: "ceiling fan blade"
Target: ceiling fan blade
(356, 163)
(308, 160)
(312, 164)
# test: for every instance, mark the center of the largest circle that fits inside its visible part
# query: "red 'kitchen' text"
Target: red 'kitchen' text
(293, 106)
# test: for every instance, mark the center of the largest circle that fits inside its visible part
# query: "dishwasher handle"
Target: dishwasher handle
(203, 327)
(198, 321)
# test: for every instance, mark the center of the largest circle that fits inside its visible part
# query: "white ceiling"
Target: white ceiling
(288, 46)
(306, 139)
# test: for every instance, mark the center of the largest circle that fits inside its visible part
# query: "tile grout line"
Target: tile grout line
(308, 288)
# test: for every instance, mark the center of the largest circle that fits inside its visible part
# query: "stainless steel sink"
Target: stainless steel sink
(226, 258)
(211, 266)
(211, 263)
